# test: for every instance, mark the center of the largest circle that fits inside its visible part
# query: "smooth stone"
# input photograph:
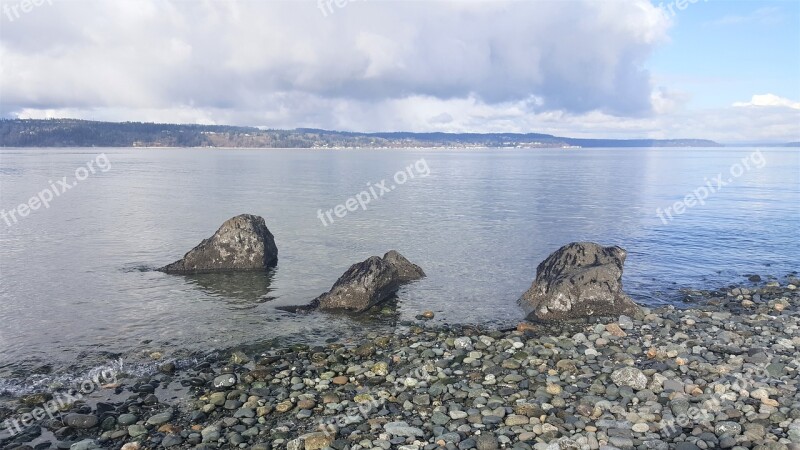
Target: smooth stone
(515, 420)
(232, 404)
(172, 440)
(86, 444)
(225, 381)
(439, 418)
(81, 421)
(685, 446)
(136, 430)
(402, 429)
(160, 418)
(457, 415)
(244, 412)
(210, 433)
(217, 398)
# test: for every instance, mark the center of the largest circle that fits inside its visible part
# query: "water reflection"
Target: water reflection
(387, 312)
(242, 289)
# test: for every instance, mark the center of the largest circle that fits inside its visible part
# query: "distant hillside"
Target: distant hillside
(81, 133)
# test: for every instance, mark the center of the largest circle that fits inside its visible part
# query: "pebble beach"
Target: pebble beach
(720, 373)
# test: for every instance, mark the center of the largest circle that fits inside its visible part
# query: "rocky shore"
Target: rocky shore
(722, 373)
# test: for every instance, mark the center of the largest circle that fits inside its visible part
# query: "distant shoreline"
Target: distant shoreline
(81, 133)
(453, 148)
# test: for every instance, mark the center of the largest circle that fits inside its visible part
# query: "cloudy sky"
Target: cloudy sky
(719, 69)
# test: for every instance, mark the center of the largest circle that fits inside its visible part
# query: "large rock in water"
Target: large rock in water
(582, 279)
(368, 283)
(241, 243)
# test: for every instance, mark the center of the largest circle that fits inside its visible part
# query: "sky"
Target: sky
(725, 70)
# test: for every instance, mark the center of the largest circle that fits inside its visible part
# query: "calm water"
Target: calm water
(76, 286)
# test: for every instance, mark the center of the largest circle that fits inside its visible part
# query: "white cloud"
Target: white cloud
(568, 68)
(667, 101)
(769, 100)
(156, 54)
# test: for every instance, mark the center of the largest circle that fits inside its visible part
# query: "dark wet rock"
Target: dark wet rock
(172, 440)
(686, 446)
(103, 408)
(108, 423)
(368, 283)
(127, 419)
(579, 280)
(146, 389)
(242, 243)
(26, 435)
(167, 368)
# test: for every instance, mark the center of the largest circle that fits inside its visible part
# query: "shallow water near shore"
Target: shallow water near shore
(77, 286)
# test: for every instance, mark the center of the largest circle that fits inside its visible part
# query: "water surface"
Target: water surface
(76, 285)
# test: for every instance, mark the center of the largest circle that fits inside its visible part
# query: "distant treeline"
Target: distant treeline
(82, 133)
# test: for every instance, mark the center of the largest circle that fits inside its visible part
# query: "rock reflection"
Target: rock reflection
(244, 288)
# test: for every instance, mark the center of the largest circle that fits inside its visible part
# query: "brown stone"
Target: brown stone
(306, 403)
(169, 428)
(330, 398)
(317, 441)
(340, 380)
(615, 330)
(523, 327)
(284, 406)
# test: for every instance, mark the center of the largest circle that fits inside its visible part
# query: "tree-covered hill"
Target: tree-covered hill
(82, 133)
